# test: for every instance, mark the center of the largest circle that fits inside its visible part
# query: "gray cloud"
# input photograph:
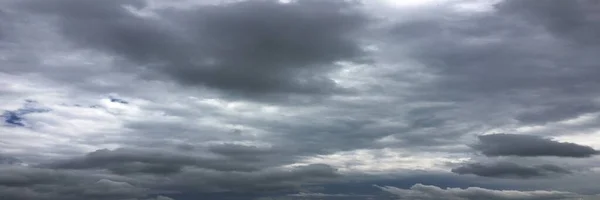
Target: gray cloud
(229, 169)
(124, 161)
(556, 113)
(503, 61)
(510, 170)
(3, 24)
(7, 20)
(20, 182)
(9, 160)
(529, 145)
(28, 183)
(574, 20)
(243, 152)
(429, 192)
(248, 48)
(321, 196)
(440, 76)
(266, 180)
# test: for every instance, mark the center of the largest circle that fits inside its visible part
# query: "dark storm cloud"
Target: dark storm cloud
(529, 145)
(249, 48)
(510, 170)
(125, 161)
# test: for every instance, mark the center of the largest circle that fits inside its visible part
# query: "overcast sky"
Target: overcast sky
(299, 99)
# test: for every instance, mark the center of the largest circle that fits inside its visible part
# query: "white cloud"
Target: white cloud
(385, 161)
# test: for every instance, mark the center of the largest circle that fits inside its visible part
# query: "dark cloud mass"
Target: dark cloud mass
(253, 47)
(555, 113)
(510, 170)
(40, 183)
(529, 145)
(24, 183)
(140, 161)
(299, 99)
(266, 180)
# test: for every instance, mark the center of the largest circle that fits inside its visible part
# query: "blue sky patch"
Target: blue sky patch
(17, 117)
(12, 118)
(117, 100)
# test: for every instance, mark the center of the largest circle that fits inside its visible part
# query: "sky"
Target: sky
(299, 99)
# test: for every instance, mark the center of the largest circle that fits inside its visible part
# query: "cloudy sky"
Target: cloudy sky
(299, 99)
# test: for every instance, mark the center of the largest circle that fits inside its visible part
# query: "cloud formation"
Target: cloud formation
(139, 161)
(428, 192)
(19, 182)
(529, 145)
(44, 184)
(253, 99)
(576, 20)
(247, 48)
(510, 170)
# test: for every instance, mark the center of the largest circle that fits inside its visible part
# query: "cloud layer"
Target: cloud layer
(248, 48)
(427, 192)
(529, 145)
(509, 170)
(268, 99)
